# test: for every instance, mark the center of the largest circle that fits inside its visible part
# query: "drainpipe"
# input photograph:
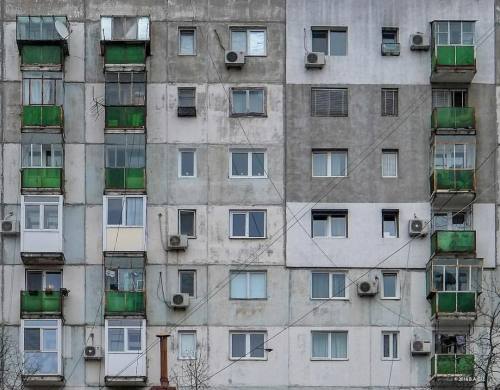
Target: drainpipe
(164, 383)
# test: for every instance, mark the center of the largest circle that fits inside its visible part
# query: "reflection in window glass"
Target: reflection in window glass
(116, 340)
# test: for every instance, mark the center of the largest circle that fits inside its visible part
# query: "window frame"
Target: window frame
(247, 334)
(330, 285)
(390, 152)
(330, 215)
(391, 335)
(394, 30)
(131, 84)
(248, 30)
(41, 213)
(397, 287)
(329, 154)
(383, 107)
(329, 31)
(180, 30)
(248, 113)
(58, 87)
(182, 333)
(44, 273)
(436, 32)
(179, 163)
(344, 114)
(53, 148)
(58, 327)
(192, 211)
(250, 153)
(111, 146)
(247, 224)
(396, 214)
(195, 284)
(124, 211)
(126, 329)
(330, 332)
(248, 284)
(185, 89)
(468, 219)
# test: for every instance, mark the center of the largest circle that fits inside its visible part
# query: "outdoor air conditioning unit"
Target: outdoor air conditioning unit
(420, 347)
(177, 242)
(418, 41)
(9, 227)
(368, 288)
(234, 59)
(92, 353)
(417, 228)
(180, 301)
(315, 60)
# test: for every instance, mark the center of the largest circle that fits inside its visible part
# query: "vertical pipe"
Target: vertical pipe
(164, 359)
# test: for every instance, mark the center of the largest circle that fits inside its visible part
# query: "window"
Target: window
(40, 27)
(456, 278)
(454, 155)
(41, 213)
(250, 41)
(329, 223)
(125, 150)
(43, 280)
(248, 285)
(389, 35)
(332, 41)
(42, 155)
(187, 41)
(125, 88)
(186, 97)
(454, 33)
(329, 163)
(187, 282)
(389, 102)
(248, 102)
(329, 345)
(43, 88)
(187, 163)
(390, 285)
(250, 164)
(187, 345)
(389, 163)
(125, 335)
(248, 345)
(41, 346)
(329, 102)
(390, 345)
(125, 210)
(247, 224)
(449, 98)
(451, 344)
(328, 285)
(390, 223)
(126, 28)
(187, 223)
(460, 220)
(125, 277)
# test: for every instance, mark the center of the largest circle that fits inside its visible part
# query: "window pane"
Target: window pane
(57, 156)
(187, 282)
(450, 279)
(339, 345)
(320, 164)
(257, 285)
(36, 155)
(256, 101)
(134, 211)
(390, 225)
(31, 339)
(258, 164)
(32, 217)
(111, 94)
(49, 339)
(186, 42)
(186, 97)
(257, 43)
(389, 164)
(320, 41)
(463, 279)
(134, 339)
(239, 222)
(34, 281)
(186, 223)
(339, 163)
(46, 155)
(239, 41)
(239, 102)
(395, 345)
(187, 345)
(389, 281)
(239, 285)
(387, 346)
(239, 164)
(320, 225)
(50, 216)
(26, 155)
(319, 345)
(438, 277)
(53, 280)
(41, 362)
(257, 345)
(440, 222)
(49, 91)
(338, 285)
(338, 226)
(256, 224)
(455, 33)
(187, 163)
(320, 285)
(115, 211)
(338, 43)
(116, 339)
(36, 91)
(130, 279)
(238, 343)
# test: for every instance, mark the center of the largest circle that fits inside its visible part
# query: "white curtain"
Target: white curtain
(134, 211)
(320, 345)
(338, 226)
(339, 163)
(257, 285)
(239, 41)
(339, 345)
(238, 285)
(257, 43)
(389, 164)
(320, 161)
(338, 285)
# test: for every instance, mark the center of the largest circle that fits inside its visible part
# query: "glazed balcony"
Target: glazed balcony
(125, 117)
(453, 63)
(41, 303)
(42, 179)
(126, 179)
(125, 303)
(453, 242)
(453, 118)
(457, 305)
(42, 117)
(458, 369)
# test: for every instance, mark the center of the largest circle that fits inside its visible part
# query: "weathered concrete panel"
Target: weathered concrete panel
(93, 234)
(157, 123)
(94, 173)
(74, 112)
(12, 107)
(72, 9)
(94, 113)
(74, 67)
(74, 173)
(74, 234)
(74, 280)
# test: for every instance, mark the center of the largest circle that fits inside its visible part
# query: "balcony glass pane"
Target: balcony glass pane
(134, 339)
(116, 340)
(50, 216)
(450, 280)
(49, 339)
(40, 362)
(32, 339)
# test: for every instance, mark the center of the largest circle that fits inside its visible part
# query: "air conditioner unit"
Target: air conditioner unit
(315, 60)
(418, 41)
(368, 288)
(420, 347)
(234, 59)
(180, 301)
(92, 353)
(9, 227)
(177, 242)
(417, 228)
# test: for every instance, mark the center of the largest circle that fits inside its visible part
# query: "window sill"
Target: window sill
(390, 298)
(247, 238)
(248, 359)
(345, 299)
(329, 359)
(186, 358)
(187, 177)
(248, 177)
(389, 177)
(247, 299)
(187, 55)
(328, 177)
(329, 237)
(391, 359)
(249, 115)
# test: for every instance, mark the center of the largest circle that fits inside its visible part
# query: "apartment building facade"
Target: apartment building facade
(293, 190)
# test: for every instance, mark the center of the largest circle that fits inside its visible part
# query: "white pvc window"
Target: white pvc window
(454, 33)
(453, 278)
(329, 224)
(252, 42)
(331, 41)
(390, 224)
(187, 41)
(43, 280)
(125, 28)
(125, 335)
(42, 155)
(187, 345)
(390, 345)
(389, 163)
(187, 163)
(247, 224)
(390, 285)
(41, 347)
(328, 285)
(248, 285)
(247, 345)
(329, 163)
(249, 164)
(41, 213)
(125, 210)
(187, 282)
(329, 345)
(187, 223)
(248, 101)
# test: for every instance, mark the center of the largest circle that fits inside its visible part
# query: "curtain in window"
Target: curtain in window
(186, 42)
(257, 43)
(257, 345)
(256, 101)
(338, 285)
(339, 166)
(320, 285)
(238, 285)
(134, 211)
(134, 339)
(319, 344)
(187, 345)
(389, 164)
(239, 41)
(257, 285)
(256, 224)
(116, 340)
(339, 345)
(238, 345)
(36, 91)
(450, 279)
(463, 278)
(389, 281)
(239, 102)
(50, 216)
(338, 226)
(320, 162)
(49, 91)
(258, 164)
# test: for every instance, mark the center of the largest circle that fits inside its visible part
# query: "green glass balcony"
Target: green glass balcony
(42, 116)
(445, 242)
(453, 63)
(125, 117)
(453, 180)
(454, 367)
(121, 303)
(124, 53)
(48, 303)
(453, 118)
(454, 303)
(42, 55)
(42, 178)
(125, 179)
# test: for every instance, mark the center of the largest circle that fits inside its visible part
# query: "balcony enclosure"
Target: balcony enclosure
(453, 52)
(451, 361)
(42, 41)
(125, 100)
(46, 303)
(125, 162)
(42, 167)
(124, 286)
(451, 113)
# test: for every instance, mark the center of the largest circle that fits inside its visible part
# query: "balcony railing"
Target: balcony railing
(120, 53)
(453, 118)
(42, 55)
(121, 303)
(454, 303)
(42, 178)
(452, 367)
(445, 242)
(125, 117)
(42, 116)
(454, 56)
(125, 178)
(453, 180)
(41, 303)
(390, 49)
